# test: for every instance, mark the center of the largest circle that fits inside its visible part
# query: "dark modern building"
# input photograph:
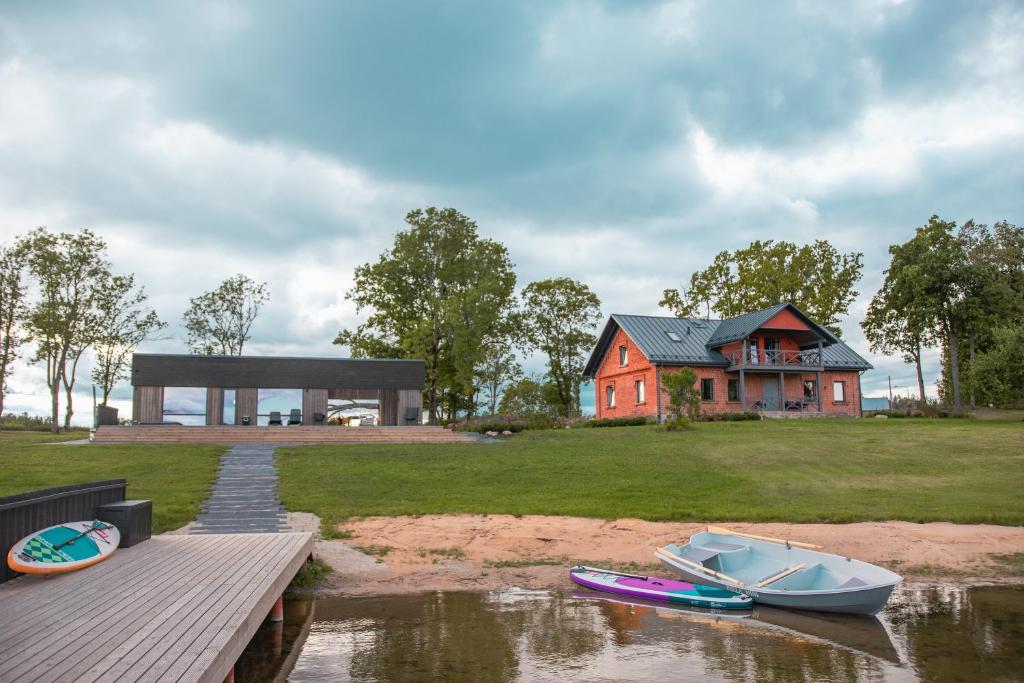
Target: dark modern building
(395, 386)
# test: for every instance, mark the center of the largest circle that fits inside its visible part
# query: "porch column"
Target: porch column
(782, 391)
(817, 388)
(214, 405)
(246, 403)
(743, 386)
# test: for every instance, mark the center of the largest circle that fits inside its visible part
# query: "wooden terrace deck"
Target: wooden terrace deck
(174, 608)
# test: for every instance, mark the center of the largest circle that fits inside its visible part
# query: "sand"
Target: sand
(392, 555)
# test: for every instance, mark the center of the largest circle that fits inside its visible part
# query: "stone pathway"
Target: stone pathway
(244, 499)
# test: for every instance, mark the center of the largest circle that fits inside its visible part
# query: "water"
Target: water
(935, 634)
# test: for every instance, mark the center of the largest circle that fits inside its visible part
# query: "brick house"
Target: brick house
(776, 361)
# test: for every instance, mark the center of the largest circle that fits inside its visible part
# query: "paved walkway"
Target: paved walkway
(244, 499)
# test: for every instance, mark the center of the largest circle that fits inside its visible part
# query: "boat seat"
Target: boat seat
(697, 554)
(724, 547)
(852, 582)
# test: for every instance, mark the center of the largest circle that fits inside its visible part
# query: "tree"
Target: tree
(438, 294)
(219, 321)
(122, 323)
(497, 370)
(558, 317)
(67, 269)
(897, 327)
(13, 310)
(683, 394)
(1000, 369)
(815, 277)
(530, 398)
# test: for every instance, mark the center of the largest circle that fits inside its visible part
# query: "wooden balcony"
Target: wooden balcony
(775, 360)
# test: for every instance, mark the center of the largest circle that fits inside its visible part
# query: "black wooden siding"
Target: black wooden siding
(24, 513)
(265, 372)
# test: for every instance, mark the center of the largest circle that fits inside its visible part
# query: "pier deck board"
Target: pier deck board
(176, 607)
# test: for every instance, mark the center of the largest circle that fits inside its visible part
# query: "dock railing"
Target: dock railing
(24, 513)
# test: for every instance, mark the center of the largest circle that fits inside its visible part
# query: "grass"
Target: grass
(374, 550)
(21, 436)
(310, 573)
(918, 470)
(176, 477)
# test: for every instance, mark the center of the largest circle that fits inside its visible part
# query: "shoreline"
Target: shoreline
(402, 555)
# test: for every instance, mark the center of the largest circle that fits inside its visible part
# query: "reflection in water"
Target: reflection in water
(948, 634)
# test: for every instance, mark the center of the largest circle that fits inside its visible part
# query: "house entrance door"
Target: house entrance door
(770, 393)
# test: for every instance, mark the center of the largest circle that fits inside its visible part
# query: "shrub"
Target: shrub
(492, 423)
(617, 422)
(678, 424)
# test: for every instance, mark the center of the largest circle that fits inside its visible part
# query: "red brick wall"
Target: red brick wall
(609, 372)
(785, 320)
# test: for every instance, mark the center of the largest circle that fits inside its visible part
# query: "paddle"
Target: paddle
(609, 571)
(88, 531)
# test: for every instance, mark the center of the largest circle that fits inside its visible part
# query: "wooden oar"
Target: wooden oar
(696, 565)
(609, 571)
(781, 575)
(730, 532)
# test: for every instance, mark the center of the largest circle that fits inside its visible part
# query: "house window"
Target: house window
(809, 388)
(639, 384)
(840, 392)
(707, 390)
(623, 356)
(609, 395)
(734, 389)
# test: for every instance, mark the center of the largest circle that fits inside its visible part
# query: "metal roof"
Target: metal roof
(697, 335)
(738, 327)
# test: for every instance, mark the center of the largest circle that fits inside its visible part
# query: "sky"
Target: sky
(619, 143)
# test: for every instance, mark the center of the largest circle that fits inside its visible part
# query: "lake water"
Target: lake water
(936, 634)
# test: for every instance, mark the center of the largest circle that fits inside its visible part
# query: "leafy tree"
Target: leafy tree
(683, 394)
(497, 370)
(122, 323)
(558, 318)
(897, 327)
(439, 294)
(816, 277)
(219, 321)
(530, 398)
(13, 310)
(67, 268)
(1000, 369)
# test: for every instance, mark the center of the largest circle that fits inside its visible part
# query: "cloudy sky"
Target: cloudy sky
(620, 143)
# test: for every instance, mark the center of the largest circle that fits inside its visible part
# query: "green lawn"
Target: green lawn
(796, 470)
(176, 477)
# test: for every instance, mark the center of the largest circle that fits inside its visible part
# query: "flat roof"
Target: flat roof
(276, 372)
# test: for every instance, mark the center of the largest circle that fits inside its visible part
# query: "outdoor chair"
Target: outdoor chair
(295, 417)
(412, 415)
(275, 418)
(319, 418)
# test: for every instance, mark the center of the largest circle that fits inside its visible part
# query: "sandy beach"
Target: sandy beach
(392, 555)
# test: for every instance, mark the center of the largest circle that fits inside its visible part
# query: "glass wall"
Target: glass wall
(185, 405)
(230, 398)
(282, 401)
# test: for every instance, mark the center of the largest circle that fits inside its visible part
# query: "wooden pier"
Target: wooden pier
(174, 608)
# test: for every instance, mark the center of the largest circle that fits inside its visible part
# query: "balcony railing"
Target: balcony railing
(810, 358)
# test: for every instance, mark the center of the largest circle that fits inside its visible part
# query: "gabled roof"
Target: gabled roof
(698, 339)
(736, 328)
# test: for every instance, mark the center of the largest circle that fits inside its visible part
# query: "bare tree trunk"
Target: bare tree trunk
(970, 372)
(954, 364)
(920, 375)
(55, 406)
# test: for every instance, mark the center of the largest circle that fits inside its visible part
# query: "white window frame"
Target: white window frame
(839, 391)
(641, 392)
(623, 356)
(609, 394)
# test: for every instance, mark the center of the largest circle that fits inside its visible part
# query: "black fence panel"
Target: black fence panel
(24, 513)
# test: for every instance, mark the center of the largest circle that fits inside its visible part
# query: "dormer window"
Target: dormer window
(674, 337)
(623, 356)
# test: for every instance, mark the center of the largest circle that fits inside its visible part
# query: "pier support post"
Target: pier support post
(277, 611)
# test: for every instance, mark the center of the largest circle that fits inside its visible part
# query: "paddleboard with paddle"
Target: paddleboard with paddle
(654, 588)
(64, 547)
